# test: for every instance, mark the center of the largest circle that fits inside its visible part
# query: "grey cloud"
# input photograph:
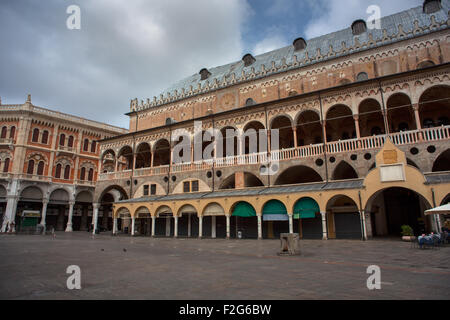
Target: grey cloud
(123, 50)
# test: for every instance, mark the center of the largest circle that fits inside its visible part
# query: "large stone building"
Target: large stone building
(48, 167)
(363, 122)
(361, 117)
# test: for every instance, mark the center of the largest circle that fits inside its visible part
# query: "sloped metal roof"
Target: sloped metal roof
(287, 56)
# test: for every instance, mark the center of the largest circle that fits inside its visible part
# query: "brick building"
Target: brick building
(48, 167)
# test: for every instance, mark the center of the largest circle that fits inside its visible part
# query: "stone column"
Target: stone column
(133, 223)
(294, 130)
(10, 214)
(153, 225)
(69, 220)
(213, 227)
(114, 226)
(363, 221)
(228, 227)
(200, 227)
(259, 227)
(291, 224)
(324, 130)
(356, 119)
(324, 226)
(44, 212)
(96, 206)
(175, 232)
(417, 116)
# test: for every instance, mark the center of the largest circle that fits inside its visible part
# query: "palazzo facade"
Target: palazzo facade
(363, 122)
(49, 163)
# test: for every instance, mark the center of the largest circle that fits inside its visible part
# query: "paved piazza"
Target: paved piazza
(33, 267)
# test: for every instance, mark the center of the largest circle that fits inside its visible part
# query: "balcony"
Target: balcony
(6, 141)
(34, 177)
(336, 147)
(85, 183)
(66, 150)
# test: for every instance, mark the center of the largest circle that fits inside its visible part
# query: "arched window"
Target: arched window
(3, 135)
(67, 172)
(35, 137)
(70, 143)
(86, 145)
(250, 102)
(58, 171)
(91, 174)
(45, 137)
(30, 169)
(93, 146)
(362, 76)
(40, 169)
(359, 27)
(62, 139)
(82, 173)
(12, 133)
(6, 165)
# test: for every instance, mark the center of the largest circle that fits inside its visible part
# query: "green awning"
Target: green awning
(306, 208)
(244, 209)
(274, 207)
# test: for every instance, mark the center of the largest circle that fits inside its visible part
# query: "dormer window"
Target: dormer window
(204, 74)
(299, 44)
(359, 27)
(248, 60)
(170, 121)
(431, 6)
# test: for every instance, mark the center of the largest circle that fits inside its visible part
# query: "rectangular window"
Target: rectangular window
(146, 190)
(195, 186)
(153, 189)
(186, 186)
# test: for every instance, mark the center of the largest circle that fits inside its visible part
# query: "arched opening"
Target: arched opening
(309, 129)
(6, 165)
(286, 134)
(67, 172)
(108, 197)
(83, 174)
(307, 219)
(82, 217)
(40, 168)
(30, 168)
(163, 222)
(244, 221)
(161, 153)
(70, 143)
(29, 209)
(275, 219)
(343, 218)
(250, 181)
(4, 132)
(400, 113)
(143, 222)
(229, 142)
(62, 139)
(125, 159)
(44, 137)
(143, 156)
(188, 222)
(393, 207)
(86, 145)
(446, 200)
(214, 221)
(124, 222)
(35, 137)
(12, 132)
(344, 171)
(412, 163)
(371, 120)
(58, 210)
(340, 124)
(434, 107)
(108, 161)
(425, 64)
(252, 142)
(297, 175)
(3, 194)
(442, 163)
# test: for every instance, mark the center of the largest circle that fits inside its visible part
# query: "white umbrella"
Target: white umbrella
(445, 209)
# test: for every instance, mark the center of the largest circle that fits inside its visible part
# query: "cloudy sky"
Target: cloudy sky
(137, 48)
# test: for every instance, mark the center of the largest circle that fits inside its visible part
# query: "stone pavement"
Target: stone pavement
(34, 267)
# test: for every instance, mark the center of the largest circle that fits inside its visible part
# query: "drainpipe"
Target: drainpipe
(362, 218)
(267, 146)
